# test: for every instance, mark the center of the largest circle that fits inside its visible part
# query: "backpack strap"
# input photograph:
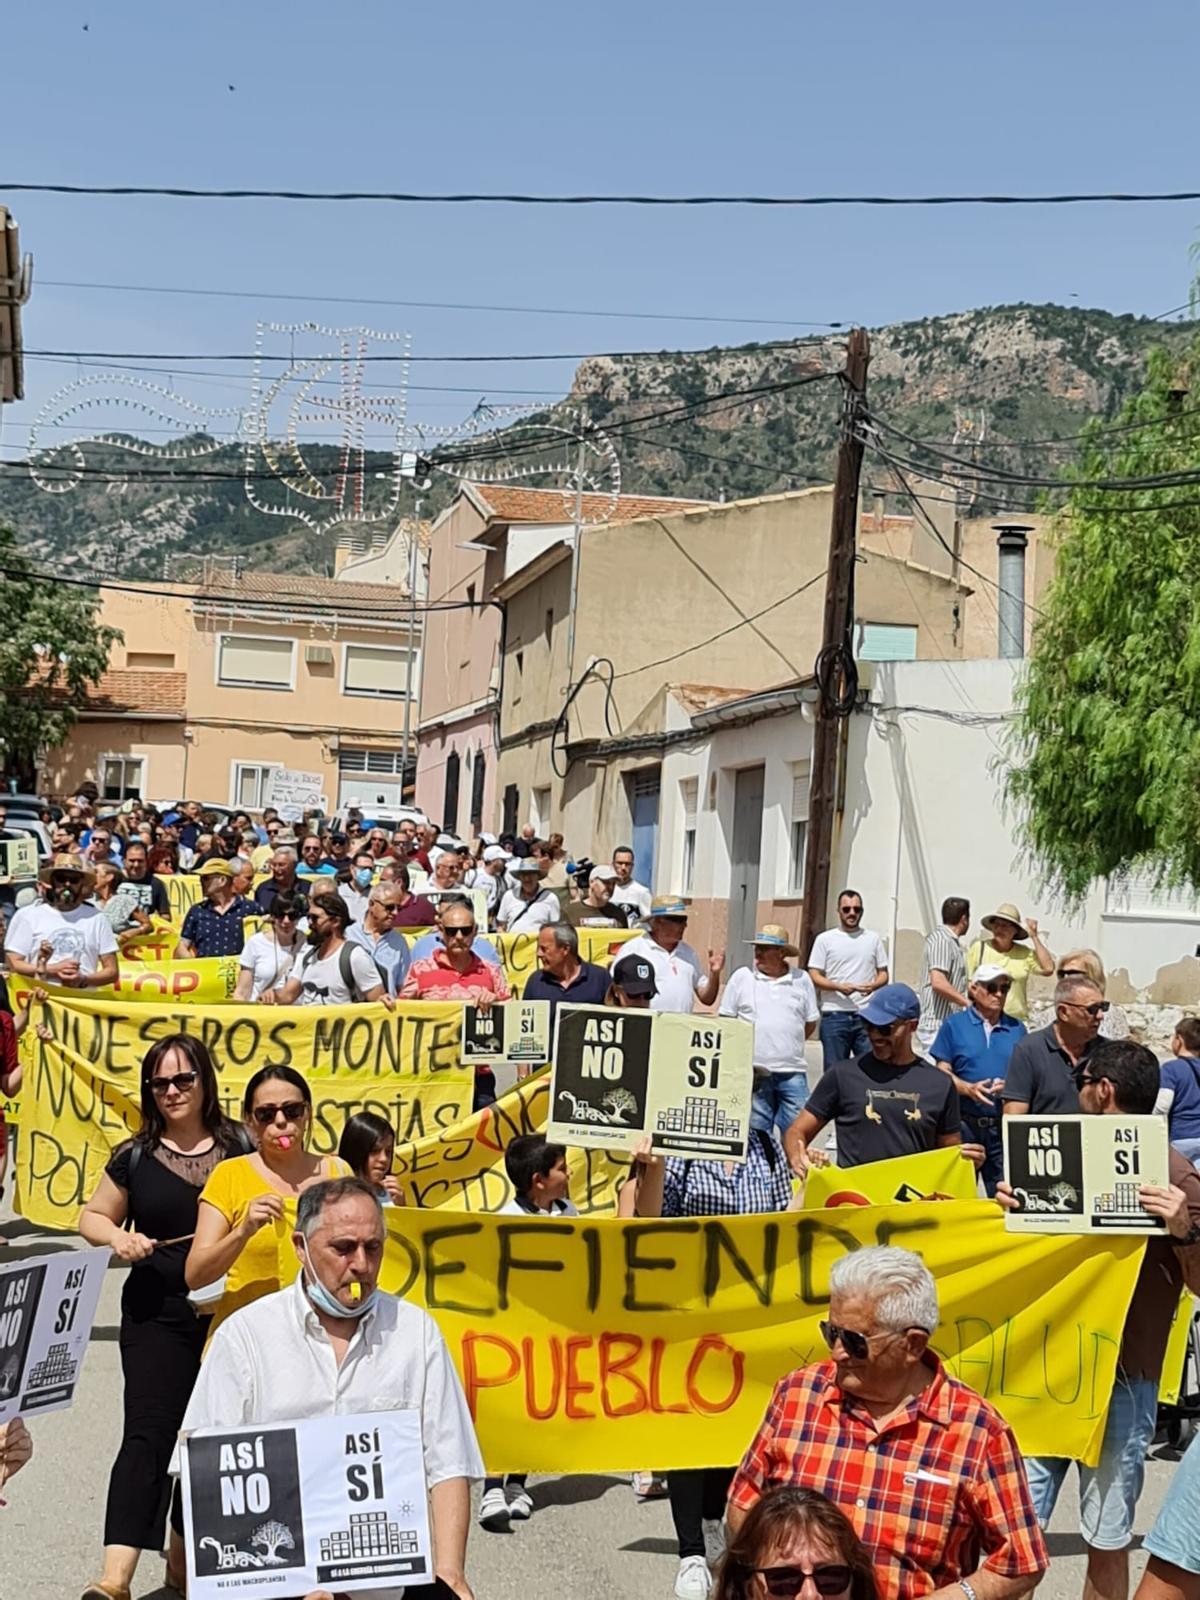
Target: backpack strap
(346, 969)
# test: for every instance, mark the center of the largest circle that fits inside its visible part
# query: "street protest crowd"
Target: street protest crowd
(873, 1472)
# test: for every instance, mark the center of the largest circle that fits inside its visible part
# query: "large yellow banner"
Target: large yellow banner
(82, 1085)
(630, 1343)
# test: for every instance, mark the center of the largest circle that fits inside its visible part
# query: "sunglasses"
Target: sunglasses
(285, 916)
(183, 1081)
(996, 988)
(831, 1577)
(1096, 1009)
(458, 933)
(1083, 1077)
(1071, 972)
(293, 1111)
(856, 1345)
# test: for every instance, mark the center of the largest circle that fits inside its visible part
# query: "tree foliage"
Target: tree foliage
(1107, 768)
(51, 650)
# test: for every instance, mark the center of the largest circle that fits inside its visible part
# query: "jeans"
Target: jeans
(779, 1098)
(984, 1130)
(843, 1036)
(697, 1496)
(1108, 1492)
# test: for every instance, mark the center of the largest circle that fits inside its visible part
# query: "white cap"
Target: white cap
(495, 853)
(989, 972)
(608, 874)
(489, 838)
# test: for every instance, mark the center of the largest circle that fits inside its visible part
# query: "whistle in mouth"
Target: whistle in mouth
(356, 1290)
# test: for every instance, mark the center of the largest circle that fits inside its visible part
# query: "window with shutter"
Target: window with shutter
(512, 799)
(450, 799)
(689, 799)
(478, 775)
(252, 663)
(1135, 894)
(801, 780)
(378, 670)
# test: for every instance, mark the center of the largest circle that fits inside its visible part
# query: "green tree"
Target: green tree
(51, 650)
(1107, 740)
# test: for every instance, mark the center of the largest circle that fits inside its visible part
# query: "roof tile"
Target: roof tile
(509, 504)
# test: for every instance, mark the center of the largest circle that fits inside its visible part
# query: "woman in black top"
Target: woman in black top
(144, 1209)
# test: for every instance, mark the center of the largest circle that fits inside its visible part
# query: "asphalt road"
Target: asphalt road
(588, 1536)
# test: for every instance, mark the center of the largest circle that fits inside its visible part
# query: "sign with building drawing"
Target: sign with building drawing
(331, 1503)
(621, 1074)
(1081, 1174)
(47, 1307)
(293, 793)
(516, 1033)
(19, 857)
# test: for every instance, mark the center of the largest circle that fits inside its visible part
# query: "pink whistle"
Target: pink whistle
(285, 1141)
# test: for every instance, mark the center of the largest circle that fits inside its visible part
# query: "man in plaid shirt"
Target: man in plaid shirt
(928, 1473)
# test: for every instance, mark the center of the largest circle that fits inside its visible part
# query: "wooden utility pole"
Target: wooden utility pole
(836, 660)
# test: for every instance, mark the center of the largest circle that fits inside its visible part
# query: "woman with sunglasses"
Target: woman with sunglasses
(144, 1210)
(269, 955)
(242, 1223)
(1114, 1024)
(796, 1545)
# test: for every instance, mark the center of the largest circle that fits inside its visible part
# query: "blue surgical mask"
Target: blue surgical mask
(362, 877)
(325, 1301)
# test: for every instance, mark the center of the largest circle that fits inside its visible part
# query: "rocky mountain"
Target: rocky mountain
(976, 381)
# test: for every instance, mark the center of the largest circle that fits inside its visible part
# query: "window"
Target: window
(887, 641)
(548, 625)
(450, 798)
(380, 763)
(249, 785)
(150, 660)
(478, 776)
(539, 812)
(251, 663)
(512, 801)
(378, 670)
(1135, 894)
(689, 797)
(121, 777)
(470, 594)
(801, 780)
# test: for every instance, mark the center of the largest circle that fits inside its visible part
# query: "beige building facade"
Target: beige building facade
(214, 685)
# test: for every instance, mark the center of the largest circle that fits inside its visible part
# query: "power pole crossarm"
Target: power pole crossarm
(835, 664)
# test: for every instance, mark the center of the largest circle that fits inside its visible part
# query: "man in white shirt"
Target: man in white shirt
(626, 891)
(333, 1342)
(847, 964)
(528, 907)
(678, 975)
(332, 972)
(781, 1003)
(61, 939)
(491, 875)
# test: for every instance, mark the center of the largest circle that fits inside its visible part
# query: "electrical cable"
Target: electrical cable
(562, 721)
(408, 197)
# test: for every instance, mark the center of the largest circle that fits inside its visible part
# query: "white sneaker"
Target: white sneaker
(693, 1580)
(520, 1504)
(714, 1539)
(648, 1485)
(493, 1511)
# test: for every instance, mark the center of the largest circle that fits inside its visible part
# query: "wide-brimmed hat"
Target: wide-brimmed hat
(776, 936)
(217, 867)
(670, 906)
(1006, 913)
(66, 863)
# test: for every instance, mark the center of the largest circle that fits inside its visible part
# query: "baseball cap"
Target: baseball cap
(494, 853)
(210, 868)
(603, 872)
(989, 972)
(525, 864)
(895, 1002)
(635, 975)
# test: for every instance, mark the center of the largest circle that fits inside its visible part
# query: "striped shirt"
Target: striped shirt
(933, 1493)
(944, 954)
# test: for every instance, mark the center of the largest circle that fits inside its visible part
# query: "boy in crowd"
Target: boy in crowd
(537, 1171)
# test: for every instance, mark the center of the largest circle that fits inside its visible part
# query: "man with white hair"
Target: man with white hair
(926, 1470)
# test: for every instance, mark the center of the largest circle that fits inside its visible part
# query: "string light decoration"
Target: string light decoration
(67, 459)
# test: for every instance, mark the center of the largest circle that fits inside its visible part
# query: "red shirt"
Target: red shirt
(939, 1490)
(433, 978)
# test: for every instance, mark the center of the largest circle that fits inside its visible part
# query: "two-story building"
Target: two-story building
(214, 684)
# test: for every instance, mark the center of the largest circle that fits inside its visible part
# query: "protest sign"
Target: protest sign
(620, 1074)
(462, 1168)
(661, 1341)
(599, 1085)
(701, 1085)
(47, 1307)
(1080, 1174)
(293, 793)
(291, 1508)
(82, 1091)
(516, 1032)
(932, 1175)
(19, 857)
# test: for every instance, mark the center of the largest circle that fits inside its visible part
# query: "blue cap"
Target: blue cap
(895, 1002)
(171, 818)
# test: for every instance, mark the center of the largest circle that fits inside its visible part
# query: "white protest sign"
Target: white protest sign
(330, 1503)
(293, 793)
(47, 1307)
(516, 1032)
(19, 857)
(1081, 1174)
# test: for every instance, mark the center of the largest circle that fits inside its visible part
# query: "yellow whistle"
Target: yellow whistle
(356, 1290)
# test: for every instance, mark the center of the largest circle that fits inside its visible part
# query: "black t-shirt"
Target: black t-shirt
(1039, 1072)
(149, 894)
(881, 1111)
(163, 1205)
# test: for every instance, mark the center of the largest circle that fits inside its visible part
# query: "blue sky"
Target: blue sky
(758, 96)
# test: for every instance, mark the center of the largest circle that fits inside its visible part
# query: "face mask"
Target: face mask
(323, 1300)
(362, 877)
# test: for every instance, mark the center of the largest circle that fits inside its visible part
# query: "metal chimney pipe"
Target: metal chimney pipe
(1011, 541)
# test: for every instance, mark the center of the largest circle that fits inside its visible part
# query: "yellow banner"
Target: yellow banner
(636, 1342)
(1174, 1362)
(183, 892)
(518, 951)
(82, 1086)
(935, 1175)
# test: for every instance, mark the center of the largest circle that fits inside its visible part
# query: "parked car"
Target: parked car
(387, 816)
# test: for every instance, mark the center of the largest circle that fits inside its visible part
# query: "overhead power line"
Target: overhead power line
(471, 198)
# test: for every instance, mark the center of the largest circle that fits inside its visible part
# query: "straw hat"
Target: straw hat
(1006, 913)
(776, 936)
(66, 863)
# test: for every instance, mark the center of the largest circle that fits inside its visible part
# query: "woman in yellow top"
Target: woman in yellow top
(242, 1229)
(1002, 950)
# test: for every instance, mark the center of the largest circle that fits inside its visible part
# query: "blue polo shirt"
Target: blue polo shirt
(963, 1041)
(217, 933)
(588, 988)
